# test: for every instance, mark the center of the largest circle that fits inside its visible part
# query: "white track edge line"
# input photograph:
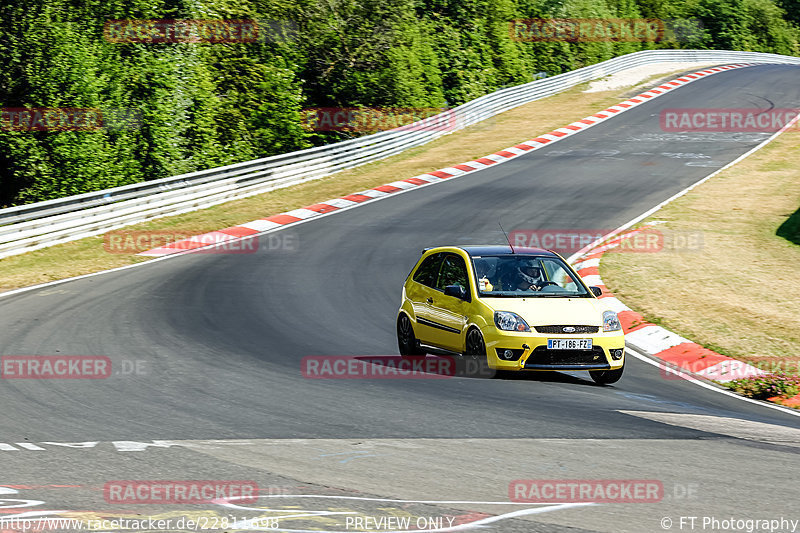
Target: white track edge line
(635, 350)
(682, 375)
(588, 247)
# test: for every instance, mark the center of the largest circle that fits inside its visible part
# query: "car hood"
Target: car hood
(553, 311)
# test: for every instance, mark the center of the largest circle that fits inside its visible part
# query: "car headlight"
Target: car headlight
(508, 321)
(611, 321)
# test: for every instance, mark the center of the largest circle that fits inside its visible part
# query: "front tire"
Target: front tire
(407, 342)
(474, 343)
(606, 377)
(476, 347)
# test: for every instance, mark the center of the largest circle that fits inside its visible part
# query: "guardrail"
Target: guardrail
(33, 226)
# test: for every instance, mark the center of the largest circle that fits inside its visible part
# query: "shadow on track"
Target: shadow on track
(460, 366)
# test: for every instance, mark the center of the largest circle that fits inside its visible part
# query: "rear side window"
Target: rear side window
(454, 272)
(428, 271)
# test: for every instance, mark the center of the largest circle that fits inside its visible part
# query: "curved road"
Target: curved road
(219, 340)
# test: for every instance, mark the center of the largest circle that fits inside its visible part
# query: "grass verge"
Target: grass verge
(738, 293)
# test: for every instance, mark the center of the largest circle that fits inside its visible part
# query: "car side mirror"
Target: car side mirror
(456, 290)
(597, 291)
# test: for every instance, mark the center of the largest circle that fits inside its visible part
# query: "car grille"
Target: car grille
(542, 356)
(560, 329)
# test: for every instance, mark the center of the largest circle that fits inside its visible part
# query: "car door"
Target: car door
(420, 292)
(448, 314)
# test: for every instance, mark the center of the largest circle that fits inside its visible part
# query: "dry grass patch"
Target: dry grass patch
(739, 294)
(509, 128)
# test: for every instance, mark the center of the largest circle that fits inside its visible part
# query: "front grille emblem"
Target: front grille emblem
(568, 329)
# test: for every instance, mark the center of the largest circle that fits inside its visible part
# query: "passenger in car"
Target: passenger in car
(482, 269)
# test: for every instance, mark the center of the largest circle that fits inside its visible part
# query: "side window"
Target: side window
(454, 272)
(428, 270)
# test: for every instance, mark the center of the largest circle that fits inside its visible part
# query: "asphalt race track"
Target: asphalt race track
(219, 339)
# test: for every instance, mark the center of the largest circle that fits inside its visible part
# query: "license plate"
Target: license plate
(569, 344)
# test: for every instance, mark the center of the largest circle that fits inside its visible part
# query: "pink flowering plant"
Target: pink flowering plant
(767, 386)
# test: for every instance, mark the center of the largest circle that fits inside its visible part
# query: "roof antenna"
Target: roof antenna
(507, 239)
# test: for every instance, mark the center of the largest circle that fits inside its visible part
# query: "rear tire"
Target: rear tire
(407, 342)
(606, 377)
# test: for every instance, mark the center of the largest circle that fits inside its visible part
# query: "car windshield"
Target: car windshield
(526, 276)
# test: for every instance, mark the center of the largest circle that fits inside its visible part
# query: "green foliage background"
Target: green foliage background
(205, 105)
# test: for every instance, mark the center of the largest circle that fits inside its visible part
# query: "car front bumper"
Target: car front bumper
(530, 351)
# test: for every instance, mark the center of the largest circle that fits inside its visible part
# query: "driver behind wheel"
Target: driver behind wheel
(529, 277)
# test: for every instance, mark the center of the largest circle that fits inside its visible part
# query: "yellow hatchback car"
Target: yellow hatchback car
(520, 308)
